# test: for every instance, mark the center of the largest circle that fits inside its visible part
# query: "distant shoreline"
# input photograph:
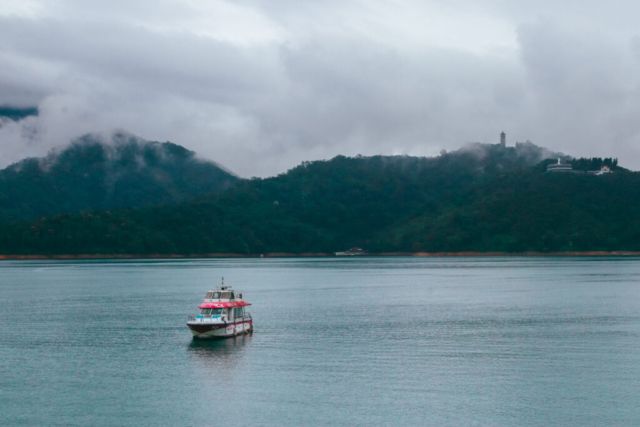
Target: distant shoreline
(323, 255)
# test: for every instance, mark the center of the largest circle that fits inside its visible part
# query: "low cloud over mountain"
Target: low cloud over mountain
(107, 171)
(261, 86)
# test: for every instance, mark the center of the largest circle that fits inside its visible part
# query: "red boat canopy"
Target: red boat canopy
(223, 304)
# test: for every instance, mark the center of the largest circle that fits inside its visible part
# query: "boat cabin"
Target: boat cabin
(222, 294)
(223, 304)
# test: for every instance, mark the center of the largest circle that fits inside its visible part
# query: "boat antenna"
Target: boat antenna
(223, 281)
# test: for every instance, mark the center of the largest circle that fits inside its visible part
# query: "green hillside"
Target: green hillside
(481, 198)
(91, 174)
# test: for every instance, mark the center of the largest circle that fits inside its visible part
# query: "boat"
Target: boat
(222, 315)
(352, 252)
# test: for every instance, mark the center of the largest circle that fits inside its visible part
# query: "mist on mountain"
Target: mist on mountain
(98, 172)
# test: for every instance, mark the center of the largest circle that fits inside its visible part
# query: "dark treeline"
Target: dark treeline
(594, 163)
(482, 198)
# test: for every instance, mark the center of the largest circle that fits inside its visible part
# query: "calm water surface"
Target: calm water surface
(368, 341)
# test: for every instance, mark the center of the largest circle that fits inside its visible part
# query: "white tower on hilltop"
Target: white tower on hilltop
(503, 139)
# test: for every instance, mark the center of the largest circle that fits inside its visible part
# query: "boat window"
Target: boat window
(216, 295)
(208, 295)
(239, 312)
(225, 295)
(231, 297)
(210, 311)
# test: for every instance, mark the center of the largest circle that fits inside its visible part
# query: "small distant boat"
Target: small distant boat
(222, 314)
(352, 252)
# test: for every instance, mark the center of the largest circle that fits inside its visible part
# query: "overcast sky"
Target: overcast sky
(261, 85)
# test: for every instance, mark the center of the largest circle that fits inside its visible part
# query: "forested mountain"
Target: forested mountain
(8, 112)
(91, 174)
(480, 198)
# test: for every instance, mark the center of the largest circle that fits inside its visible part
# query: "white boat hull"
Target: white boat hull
(219, 330)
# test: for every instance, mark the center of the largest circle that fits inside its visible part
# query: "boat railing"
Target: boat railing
(192, 318)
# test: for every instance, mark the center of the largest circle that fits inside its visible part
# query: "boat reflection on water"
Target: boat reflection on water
(224, 354)
(216, 362)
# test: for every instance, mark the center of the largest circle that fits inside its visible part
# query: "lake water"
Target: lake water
(365, 341)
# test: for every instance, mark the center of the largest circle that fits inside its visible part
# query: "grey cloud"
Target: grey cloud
(585, 88)
(260, 108)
